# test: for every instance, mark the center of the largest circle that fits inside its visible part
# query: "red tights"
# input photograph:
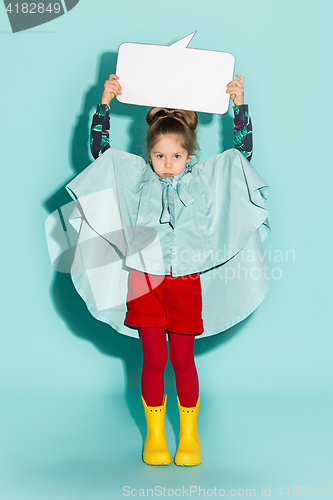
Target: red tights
(155, 356)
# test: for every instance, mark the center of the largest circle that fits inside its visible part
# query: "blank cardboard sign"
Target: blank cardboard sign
(175, 76)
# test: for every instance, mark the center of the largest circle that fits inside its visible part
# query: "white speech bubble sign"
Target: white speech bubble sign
(175, 76)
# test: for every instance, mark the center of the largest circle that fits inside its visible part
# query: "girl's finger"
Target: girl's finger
(240, 81)
(236, 83)
(110, 88)
(112, 79)
(241, 78)
(113, 87)
(117, 85)
(235, 90)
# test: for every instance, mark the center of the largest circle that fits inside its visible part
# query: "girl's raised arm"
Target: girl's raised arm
(243, 131)
(243, 140)
(99, 131)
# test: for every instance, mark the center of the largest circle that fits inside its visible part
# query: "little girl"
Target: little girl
(176, 225)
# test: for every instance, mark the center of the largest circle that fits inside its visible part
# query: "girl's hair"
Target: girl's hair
(163, 121)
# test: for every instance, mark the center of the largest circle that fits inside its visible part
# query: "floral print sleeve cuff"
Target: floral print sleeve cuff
(243, 130)
(99, 132)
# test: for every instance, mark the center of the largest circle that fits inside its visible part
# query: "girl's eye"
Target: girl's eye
(177, 156)
(160, 156)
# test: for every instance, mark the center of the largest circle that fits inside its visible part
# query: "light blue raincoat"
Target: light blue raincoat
(210, 219)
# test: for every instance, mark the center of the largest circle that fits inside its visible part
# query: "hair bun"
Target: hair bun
(190, 118)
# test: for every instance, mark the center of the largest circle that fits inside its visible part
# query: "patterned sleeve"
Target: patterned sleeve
(99, 132)
(243, 131)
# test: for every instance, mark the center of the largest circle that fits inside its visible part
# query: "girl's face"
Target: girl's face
(168, 156)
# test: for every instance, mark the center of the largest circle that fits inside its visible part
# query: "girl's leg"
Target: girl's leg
(182, 359)
(155, 357)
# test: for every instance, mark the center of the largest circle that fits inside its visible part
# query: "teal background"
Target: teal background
(72, 423)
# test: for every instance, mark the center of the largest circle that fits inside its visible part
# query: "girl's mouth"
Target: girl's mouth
(169, 175)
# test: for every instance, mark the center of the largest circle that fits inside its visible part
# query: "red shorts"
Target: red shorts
(173, 303)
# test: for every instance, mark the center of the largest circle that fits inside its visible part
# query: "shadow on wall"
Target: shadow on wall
(66, 300)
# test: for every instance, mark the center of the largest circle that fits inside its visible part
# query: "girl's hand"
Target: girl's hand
(111, 89)
(236, 90)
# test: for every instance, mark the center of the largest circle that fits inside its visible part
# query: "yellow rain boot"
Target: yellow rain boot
(155, 451)
(189, 448)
